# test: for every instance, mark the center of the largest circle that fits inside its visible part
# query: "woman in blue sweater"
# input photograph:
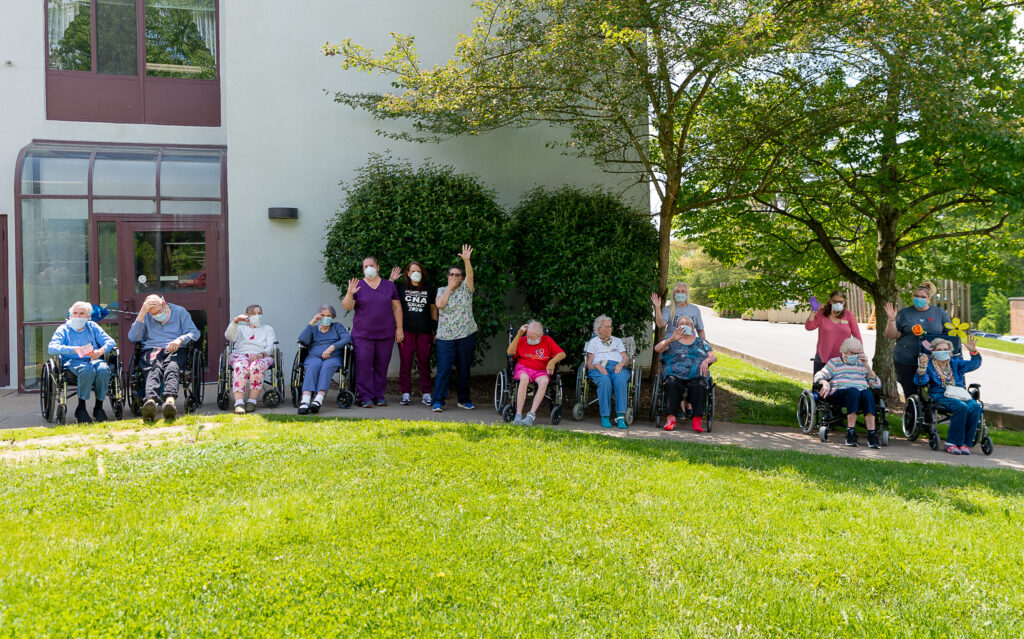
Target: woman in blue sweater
(944, 377)
(325, 338)
(81, 345)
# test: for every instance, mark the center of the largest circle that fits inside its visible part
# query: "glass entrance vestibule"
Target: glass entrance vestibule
(111, 224)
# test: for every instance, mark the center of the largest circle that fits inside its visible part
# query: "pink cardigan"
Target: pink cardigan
(831, 335)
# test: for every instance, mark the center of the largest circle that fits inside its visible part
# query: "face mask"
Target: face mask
(681, 297)
(326, 321)
(416, 276)
(920, 302)
(837, 307)
(852, 359)
(77, 323)
(532, 342)
(255, 319)
(942, 356)
(162, 316)
(686, 330)
(370, 272)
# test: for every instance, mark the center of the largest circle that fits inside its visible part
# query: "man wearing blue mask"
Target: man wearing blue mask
(81, 345)
(162, 329)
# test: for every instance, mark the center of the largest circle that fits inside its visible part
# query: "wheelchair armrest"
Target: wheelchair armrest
(974, 390)
(973, 386)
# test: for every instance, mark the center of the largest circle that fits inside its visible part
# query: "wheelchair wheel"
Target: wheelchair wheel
(508, 412)
(500, 390)
(655, 412)
(194, 387)
(933, 440)
(629, 416)
(986, 445)
(61, 414)
(556, 415)
(883, 437)
(577, 411)
(709, 410)
(223, 391)
(47, 392)
(272, 398)
(635, 396)
(912, 415)
(806, 412)
(823, 433)
(133, 384)
(295, 381)
(118, 409)
(346, 398)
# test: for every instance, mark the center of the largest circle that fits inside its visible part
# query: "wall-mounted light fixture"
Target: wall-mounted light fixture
(282, 213)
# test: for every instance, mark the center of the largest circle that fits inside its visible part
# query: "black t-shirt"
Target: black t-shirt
(416, 303)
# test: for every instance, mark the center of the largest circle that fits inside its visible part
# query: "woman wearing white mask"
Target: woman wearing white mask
(678, 306)
(376, 326)
(834, 324)
(419, 321)
(252, 353)
(686, 362)
(944, 377)
(536, 355)
(81, 344)
(324, 338)
(848, 380)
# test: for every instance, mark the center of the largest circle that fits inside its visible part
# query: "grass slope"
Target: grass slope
(1000, 345)
(295, 527)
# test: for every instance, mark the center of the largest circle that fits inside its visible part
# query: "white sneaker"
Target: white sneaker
(406, 400)
(427, 399)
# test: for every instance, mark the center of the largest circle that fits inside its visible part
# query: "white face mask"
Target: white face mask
(415, 276)
(532, 342)
(370, 272)
(686, 330)
(255, 320)
(77, 323)
(837, 307)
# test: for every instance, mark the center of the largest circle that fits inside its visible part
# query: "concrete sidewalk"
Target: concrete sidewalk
(20, 411)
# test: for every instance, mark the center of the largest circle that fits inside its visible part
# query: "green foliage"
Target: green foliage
(74, 51)
(173, 38)
(703, 274)
(997, 313)
(579, 254)
(398, 213)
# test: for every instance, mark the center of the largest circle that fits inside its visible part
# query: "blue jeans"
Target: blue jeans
(449, 353)
(963, 418)
(319, 373)
(91, 375)
(617, 383)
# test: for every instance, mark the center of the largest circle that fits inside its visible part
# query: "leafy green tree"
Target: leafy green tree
(74, 51)
(904, 159)
(997, 313)
(583, 253)
(173, 38)
(399, 213)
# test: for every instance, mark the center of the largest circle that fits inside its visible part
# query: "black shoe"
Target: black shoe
(873, 439)
(314, 407)
(98, 413)
(149, 410)
(82, 414)
(851, 437)
(170, 410)
(303, 409)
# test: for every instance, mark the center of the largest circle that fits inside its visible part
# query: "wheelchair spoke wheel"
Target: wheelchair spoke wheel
(709, 411)
(912, 418)
(272, 398)
(500, 390)
(806, 412)
(47, 392)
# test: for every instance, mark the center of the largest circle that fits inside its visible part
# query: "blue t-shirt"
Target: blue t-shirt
(683, 361)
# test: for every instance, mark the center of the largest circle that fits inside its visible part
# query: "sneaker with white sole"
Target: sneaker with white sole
(851, 437)
(467, 405)
(438, 408)
(528, 420)
(873, 439)
(406, 399)
(427, 399)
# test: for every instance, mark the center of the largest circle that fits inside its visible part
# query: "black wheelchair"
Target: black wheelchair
(345, 377)
(586, 390)
(506, 388)
(274, 379)
(192, 378)
(814, 411)
(921, 415)
(56, 380)
(660, 408)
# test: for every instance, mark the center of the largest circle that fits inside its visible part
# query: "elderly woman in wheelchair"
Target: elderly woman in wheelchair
(81, 345)
(536, 356)
(686, 361)
(848, 381)
(323, 341)
(943, 377)
(253, 351)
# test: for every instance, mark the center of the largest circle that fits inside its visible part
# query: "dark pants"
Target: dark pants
(856, 401)
(905, 376)
(417, 344)
(372, 359)
(696, 393)
(451, 352)
(164, 371)
(818, 364)
(963, 418)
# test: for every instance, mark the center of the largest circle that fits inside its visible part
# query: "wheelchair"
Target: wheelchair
(921, 415)
(274, 378)
(660, 408)
(586, 390)
(192, 378)
(814, 411)
(56, 379)
(345, 377)
(506, 387)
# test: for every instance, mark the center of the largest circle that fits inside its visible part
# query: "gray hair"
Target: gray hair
(679, 320)
(938, 341)
(849, 344)
(86, 305)
(329, 309)
(537, 322)
(250, 309)
(600, 319)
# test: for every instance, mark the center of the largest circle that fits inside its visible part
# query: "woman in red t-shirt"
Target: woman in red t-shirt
(536, 358)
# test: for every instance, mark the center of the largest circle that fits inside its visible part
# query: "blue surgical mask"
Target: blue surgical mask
(326, 321)
(852, 359)
(686, 330)
(681, 297)
(942, 356)
(162, 316)
(920, 303)
(77, 323)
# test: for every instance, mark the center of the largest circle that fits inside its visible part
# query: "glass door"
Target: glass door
(179, 261)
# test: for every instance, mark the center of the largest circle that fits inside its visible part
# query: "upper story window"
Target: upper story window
(144, 61)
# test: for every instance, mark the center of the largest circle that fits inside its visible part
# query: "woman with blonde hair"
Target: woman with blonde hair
(678, 306)
(908, 326)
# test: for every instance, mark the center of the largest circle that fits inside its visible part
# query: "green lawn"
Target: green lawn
(757, 396)
(285, 526)
(999, 345)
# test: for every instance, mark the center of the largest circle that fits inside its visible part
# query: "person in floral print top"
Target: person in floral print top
(456, 332)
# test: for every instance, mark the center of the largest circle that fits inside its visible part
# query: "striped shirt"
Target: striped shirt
(841, 375)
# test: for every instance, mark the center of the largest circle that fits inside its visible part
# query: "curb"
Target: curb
(988, 352)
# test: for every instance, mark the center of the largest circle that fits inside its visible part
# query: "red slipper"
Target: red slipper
(670, 422)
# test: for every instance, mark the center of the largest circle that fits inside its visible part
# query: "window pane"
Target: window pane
(124, 206)
(119, 172)
(170, 261)
(37, 338)
(55, 171)
(70, 35)
(117, 37)
(181, 39)
(106, 233)
(54, 242)
(190, 174)
(184, 207)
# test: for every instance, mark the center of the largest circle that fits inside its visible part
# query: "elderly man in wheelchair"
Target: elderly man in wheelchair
(848, 381)
(162, 330)
(940, 382)
(533, 358)
(80, 346)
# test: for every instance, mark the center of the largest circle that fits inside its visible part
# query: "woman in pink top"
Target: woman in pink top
(834, 324)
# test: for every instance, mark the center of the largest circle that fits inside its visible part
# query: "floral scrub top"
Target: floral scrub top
(455, 320)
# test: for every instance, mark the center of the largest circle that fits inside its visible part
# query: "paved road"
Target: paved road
(793, 346)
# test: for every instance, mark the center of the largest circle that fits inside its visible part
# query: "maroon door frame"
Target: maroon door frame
(5, 308)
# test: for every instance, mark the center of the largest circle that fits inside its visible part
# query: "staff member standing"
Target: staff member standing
(456, 332)
(376, 326)
(907, 326)
(419, 317)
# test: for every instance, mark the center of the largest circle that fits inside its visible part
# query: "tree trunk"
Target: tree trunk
(665, 215)
(884, 291)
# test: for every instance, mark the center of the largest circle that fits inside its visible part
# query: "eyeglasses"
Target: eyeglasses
(455, 275)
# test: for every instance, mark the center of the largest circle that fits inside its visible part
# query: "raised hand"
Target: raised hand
(353, 286)
(971, 344)
(395, 274)
(316, 318)
(240, 318)
(815, 304)
(467, 250)
(890, 310)
(522, 329)
(656, 300)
